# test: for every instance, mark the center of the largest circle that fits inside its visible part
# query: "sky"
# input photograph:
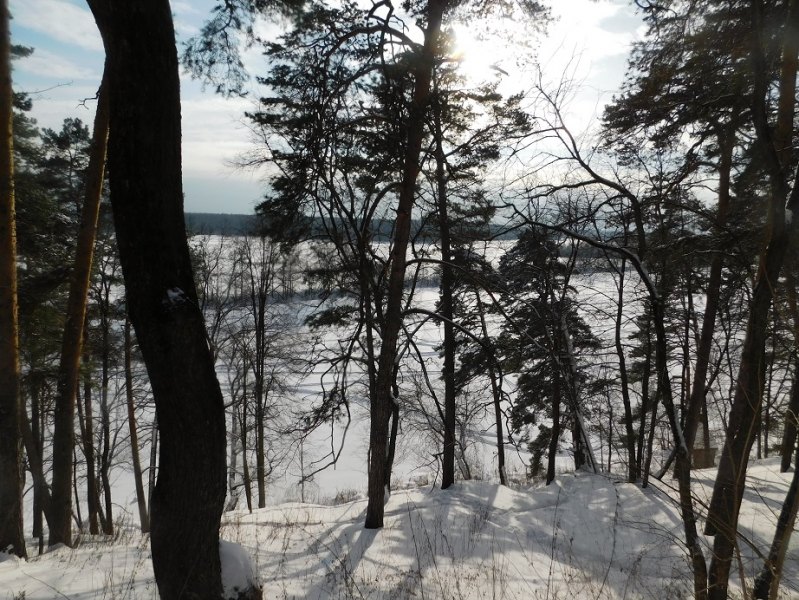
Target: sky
(590, 40)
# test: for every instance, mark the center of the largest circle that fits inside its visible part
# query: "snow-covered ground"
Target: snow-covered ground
(584, 536)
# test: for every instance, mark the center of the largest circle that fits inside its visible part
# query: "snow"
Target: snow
(238, 572)
(788, 216)
(175, 296)
(584, 536)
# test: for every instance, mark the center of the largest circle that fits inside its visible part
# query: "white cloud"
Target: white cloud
(60, 20)
(47, 64)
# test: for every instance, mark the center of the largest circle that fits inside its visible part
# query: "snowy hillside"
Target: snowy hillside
(585, 536)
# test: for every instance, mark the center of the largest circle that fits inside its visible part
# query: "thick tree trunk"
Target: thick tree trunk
(67, 386)
(745, 413)
(11, 530)
(382, 401)
(141, 498)
(144, 164)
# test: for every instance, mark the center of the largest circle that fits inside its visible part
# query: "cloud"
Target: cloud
(47, 64)
(59, 20)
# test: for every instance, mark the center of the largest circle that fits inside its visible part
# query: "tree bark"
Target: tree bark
(88, 445)
(144, 162)
(697, 405)
(745, 413)
(105, 414)
(382, 401)
(767, 582)
(792, 413)
(447, 282)
(141, 498)
(37, 468)
(632, 471)
(71, 343)
(12, 537)
(496, 393)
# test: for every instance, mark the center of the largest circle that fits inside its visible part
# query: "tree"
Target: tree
(541, 341)
(12, 538)
(146, 195)
(774, 140)
(64, 434)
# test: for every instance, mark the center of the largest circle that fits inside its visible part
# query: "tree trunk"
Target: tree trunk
(105, 420)
(88, 450)
(36, 466)
(447, 282)
(791, 422)
(144, 164)
(496, 394)
(745, 413)
(12, 537)
(792, 413)
(767, 582)
(682, 469)
(67, 386)
(555, 433)
(382, 401)
(697, 403)
(141, 498)
(632, 470)
(644, 456)
(38, 482)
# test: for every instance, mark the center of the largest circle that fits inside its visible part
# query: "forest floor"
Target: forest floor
(584, 536)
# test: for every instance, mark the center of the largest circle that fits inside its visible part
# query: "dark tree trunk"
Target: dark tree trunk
(768, 579)
(791, 422)
(38, 482)
(33, 451)
(682, 469)
(496, 393)
(632, 470)
(382, 401)
(11, 482)
(88, 450)
(105, 420)
(697, 403)
(555, 434)
(69, 365)
(144, 163)
(745, 413)
(792, 413)
(447, 283)
(141, 498)
(644, 455)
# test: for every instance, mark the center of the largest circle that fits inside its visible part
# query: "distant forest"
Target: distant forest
(232, 224)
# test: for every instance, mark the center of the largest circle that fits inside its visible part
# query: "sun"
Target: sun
(488, 54)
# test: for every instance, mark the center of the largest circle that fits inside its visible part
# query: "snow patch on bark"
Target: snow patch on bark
(239, 579)
(175, 296)
(788, 216)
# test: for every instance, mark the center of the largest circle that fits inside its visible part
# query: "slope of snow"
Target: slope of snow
(584, 536)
